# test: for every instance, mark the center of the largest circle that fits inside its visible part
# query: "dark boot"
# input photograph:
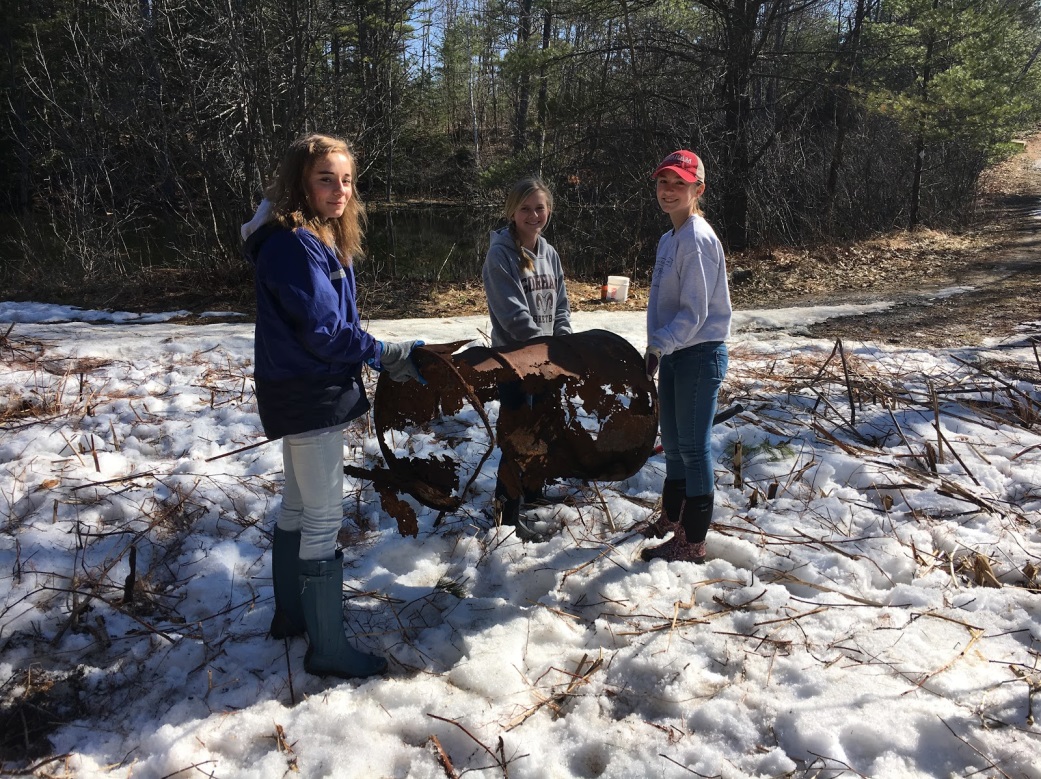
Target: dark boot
(688, 542)
(672, 494)
(536, 497)
(329, 653)
(285, 576)
(696, 518)
(676, 548)
(508, 514)
(507, 509)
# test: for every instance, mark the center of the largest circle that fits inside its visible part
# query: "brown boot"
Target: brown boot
(672, 494)
(695, 518)
(698, 552)
(675, 549)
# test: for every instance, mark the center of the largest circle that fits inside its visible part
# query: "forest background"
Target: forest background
(139, 135)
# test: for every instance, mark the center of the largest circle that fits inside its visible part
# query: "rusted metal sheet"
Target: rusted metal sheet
(596, 417)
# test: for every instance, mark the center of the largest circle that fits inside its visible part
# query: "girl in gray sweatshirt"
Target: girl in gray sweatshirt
(523, 276)
(527, 298)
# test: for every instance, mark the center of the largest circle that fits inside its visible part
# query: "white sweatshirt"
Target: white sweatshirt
(689, 301)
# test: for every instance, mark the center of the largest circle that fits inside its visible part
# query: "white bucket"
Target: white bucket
(617, 288)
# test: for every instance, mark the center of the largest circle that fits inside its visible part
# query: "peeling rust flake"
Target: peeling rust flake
(595, 417)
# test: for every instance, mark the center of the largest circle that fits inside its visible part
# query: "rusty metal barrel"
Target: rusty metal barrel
(596, 419)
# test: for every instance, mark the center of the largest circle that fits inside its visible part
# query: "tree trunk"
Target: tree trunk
(919, 156)
(520, 123)
(916, 182)
(471, 77)
(843, 114)
(736, 118)
(543, 102)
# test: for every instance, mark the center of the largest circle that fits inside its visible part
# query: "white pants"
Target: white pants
(312, 499)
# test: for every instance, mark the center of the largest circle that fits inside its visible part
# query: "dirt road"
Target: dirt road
(991, 290)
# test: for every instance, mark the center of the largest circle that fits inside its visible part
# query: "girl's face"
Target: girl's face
(329, 185)
(676, 197)
(531, 217)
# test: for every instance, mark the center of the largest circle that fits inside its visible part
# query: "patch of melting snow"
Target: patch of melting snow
(950, 292)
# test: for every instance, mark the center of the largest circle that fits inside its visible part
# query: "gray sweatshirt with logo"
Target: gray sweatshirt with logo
(524, 304)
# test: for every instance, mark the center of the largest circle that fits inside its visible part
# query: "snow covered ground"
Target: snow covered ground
(871, 604)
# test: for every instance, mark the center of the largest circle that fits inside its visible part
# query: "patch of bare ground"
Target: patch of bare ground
(763, 278)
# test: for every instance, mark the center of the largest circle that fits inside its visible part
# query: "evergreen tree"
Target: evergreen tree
(957, 76)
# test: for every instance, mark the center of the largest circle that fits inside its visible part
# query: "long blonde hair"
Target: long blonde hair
(521, 191)
(289, 196)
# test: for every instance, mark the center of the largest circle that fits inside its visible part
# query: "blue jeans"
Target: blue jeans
(688, 383)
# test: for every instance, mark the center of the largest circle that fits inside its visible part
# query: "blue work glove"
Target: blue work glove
(396, 360)
(651, 360)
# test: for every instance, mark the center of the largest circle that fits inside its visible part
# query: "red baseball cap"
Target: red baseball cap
(685, 164)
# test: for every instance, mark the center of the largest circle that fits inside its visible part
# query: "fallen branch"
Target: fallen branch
(607, 510)
(788, 577)
(942, 438)
(442, 758)
(1007, 385)
(976, 636)
(117, 480)
(1033, 686)
(30, 770)
(555, 702)
(500, 758)
(991, 763)
(849, 385)
(237, 451)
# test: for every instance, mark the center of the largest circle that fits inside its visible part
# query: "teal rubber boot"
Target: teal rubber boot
(329, 653)
(285, 576)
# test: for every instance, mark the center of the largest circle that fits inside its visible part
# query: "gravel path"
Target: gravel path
(992, 291)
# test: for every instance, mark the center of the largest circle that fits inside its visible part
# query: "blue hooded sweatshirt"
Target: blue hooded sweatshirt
(310, 345)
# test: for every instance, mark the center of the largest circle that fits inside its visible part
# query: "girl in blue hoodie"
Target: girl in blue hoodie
(310, 348)
(688, 320)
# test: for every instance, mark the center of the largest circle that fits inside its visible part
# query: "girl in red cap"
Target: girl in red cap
(688, 320)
